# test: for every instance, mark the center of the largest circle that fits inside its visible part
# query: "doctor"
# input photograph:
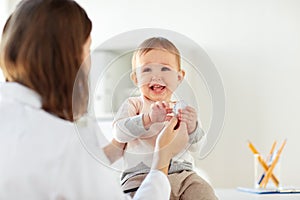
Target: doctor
(43, 45)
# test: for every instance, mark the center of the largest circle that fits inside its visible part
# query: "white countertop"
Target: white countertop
(234, 194)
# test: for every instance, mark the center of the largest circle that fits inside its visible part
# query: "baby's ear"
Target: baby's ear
(133, 78)
(181, 75)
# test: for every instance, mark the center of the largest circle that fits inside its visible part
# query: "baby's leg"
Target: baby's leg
(188, 185)
(132, 194)
(132, 184)
(199, 191)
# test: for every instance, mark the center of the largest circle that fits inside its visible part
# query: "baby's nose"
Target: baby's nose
(156, 78)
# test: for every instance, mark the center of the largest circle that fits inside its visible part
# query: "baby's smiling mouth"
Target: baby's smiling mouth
(157, 87)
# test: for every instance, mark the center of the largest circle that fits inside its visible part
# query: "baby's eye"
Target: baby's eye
(165, 69)
(147, 69)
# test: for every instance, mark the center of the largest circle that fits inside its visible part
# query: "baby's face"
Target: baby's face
(158, 75)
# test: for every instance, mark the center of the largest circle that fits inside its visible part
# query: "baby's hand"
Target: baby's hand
(159, 111)
(189, 116)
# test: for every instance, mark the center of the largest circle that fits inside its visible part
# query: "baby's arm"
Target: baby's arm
(189, 116)
(197, 139)
(128, 123)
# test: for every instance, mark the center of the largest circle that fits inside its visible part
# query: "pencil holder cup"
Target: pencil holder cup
(263, 176)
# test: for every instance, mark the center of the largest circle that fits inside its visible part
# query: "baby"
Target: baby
(156, 70)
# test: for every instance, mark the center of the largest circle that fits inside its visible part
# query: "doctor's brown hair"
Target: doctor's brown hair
(42, 48)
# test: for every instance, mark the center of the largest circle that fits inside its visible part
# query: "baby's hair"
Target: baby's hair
(159, 43)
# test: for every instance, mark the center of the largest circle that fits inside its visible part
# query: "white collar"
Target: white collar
(20, 93)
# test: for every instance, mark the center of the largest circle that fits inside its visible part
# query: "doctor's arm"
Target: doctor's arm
(114, 150)
(169, 143)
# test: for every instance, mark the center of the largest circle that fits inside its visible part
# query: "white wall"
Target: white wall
(255, 46)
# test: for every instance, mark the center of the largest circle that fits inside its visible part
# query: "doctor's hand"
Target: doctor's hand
(114, 150)
(169, 143)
